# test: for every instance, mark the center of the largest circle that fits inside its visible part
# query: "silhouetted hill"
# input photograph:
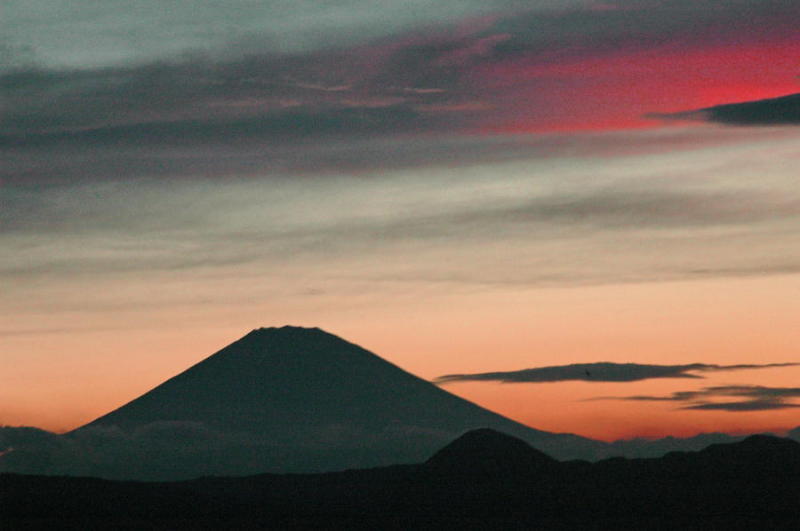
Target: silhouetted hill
(761, 447)
(724, 486)
(488, 452)
(756, 454)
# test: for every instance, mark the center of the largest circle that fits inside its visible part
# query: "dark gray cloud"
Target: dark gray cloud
(263, 98)
(280, 155)
(747, 405)
(754, 392)
(281, 126)
(637, 25)
(420, 81)
(165, 118)
(255, 105)
(773, 111)
(197, 100)
(755, 397)
(87, 33)
(604, 372)
(212, 156)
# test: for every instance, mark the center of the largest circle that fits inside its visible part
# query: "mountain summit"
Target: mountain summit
(294, 399)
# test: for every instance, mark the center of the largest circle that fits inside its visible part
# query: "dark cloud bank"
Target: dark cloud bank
(161, 116)
(773, 111)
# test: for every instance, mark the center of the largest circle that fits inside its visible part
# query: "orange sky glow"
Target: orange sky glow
(481, 192)
(63, 379)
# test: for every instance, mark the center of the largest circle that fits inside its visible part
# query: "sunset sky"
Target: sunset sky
(462, 187)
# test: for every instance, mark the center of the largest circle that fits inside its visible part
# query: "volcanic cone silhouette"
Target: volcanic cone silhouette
(297, 399)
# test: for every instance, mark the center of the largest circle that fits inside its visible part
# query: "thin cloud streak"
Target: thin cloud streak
(751, 405)
(604, 372)
(757, 397)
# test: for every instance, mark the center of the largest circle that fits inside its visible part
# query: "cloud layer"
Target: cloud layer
(186, 163)
(83, 32)
(502, 65)
(603, 372)
(751, 398)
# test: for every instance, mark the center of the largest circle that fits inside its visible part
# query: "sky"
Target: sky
(603, 193)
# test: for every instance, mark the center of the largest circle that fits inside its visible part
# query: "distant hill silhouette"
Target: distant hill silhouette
(743, 485)
(486, 452)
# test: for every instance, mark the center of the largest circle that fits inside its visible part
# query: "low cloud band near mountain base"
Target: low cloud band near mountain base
(602, 372)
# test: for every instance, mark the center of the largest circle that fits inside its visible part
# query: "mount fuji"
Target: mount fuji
(292, 399)
(288, 400)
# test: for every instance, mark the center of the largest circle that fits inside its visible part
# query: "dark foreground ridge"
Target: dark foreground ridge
(734, 485)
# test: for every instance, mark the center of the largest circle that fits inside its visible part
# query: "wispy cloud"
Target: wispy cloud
(748, 405)
(755, 397)
(606, 372)
(227, 138)
(119, 33)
